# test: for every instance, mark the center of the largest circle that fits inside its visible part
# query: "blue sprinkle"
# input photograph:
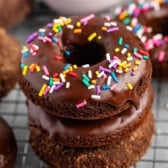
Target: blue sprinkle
(67, 53)
(114, 77)
(67, 66)
(54, 40)
(42, 34)
(126, 46)
(25, 53)
(137, 28)
(105, 87)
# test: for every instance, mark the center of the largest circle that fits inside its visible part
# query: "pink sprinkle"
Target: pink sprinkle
(46, 72)
(112, 29)
(161, 56)
(113, 86)
(98, 89)
(137, 55)
(107, 17)
(82, 104)
(87, 18)
(46, 90)
(48, 39)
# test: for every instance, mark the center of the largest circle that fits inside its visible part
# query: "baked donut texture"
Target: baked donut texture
(89, 133)
(149, 21)
(89, 95)
(84, 68)
(12, 12)
(122, 153)
(8, 147)
(9, 62)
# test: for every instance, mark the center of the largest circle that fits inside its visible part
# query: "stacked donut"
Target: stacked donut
(89, 96)
(149, 20)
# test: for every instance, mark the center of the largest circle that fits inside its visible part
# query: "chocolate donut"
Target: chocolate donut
(13, 12)
(84, 68)
(79, 133)
(9, 62)
(8, 147)
(149, 21)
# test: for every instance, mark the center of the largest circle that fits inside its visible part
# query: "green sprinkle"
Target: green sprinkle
(50, 81)
(120, 41)
(85, 77)
(22, 65)
(127, 21)
(85, 82)
(145, 57)
(135, 50)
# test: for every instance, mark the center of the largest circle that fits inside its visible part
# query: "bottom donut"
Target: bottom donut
(123, 153)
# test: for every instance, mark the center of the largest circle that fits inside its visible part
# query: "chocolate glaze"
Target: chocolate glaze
(158, 21)
(62, 102)
(83, 133)
(8, 147)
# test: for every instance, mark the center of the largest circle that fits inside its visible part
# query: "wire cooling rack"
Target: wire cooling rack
(13, 109)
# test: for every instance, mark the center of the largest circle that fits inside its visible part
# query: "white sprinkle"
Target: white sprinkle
(67, 85)
(90, 74)
(124, 50)
(100, 74)
(131, 8)
(108, 56)
(119, 71)
(134, 21)
(129, 58)
(143, 39)
(157, 36)
(62, 77)
(129, 28)
(42, 30)
(45, 77)
(69, 26)
(113, 24)
(91, 87)
(96, 97)
(52, 89)
(109, 80)
(86, 66)
(107, 24)
(149, 30)
(118, 10)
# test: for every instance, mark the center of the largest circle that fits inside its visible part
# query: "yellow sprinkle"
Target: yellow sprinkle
(103, 28)
(137, 62)
(126, 70)
(92, 36)
(38, 68)
(55, 29)
(127, 65)
(97, 72)
(75, 66)
(129, 54)
(93, 82)
(44, 86)
(25, 70)
(31, 66)
(24, 48)
(117, 50)
(123, 63)
(129, 86)
(135, 68)
(99, 37)
(66, 71)
(76, 31)
(68, 21)
(78, 24)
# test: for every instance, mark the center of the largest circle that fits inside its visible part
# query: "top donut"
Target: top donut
(149, 20)
(84, 68)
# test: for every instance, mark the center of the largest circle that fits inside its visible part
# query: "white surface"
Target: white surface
(79, 7)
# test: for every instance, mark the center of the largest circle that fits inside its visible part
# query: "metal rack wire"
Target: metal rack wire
(13, 109)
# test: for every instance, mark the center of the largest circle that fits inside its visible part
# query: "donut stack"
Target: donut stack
(149, 21)
(89, 96)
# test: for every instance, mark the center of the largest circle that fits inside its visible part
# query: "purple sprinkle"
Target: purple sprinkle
(59, 86)
(31, 37)
(97, 89)
(112, 29)
(132, 73)
(49, 25)
(104, 69)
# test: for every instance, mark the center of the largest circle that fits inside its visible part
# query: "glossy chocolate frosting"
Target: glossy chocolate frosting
(63, 102)
(80, 133)
(151, 16)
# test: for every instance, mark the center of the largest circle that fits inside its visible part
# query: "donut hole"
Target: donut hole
(91, 54)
